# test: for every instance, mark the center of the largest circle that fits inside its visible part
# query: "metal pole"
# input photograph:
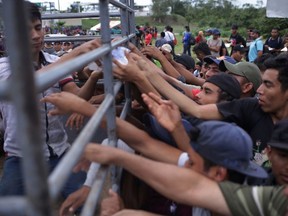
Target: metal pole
(23, 96)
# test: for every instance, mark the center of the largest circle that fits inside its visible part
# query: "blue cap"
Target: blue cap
(227, 145)
(216, 32)
(224, 144)
(217, 60)
(159, 132)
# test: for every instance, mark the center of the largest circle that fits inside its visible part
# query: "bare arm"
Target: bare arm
(191, 189)
(134, 137)
(185, 87)
(168, 115)
(190, 78)
(154, 52)
(188, 106)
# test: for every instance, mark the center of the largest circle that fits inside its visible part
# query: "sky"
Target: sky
(66, 3)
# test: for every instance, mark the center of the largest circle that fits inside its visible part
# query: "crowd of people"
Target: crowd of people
(202, 138)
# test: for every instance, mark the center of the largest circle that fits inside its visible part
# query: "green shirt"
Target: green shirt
(254, 200)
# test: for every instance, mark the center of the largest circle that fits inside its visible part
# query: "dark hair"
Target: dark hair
(162, 34)
(233, 175)
(234, 26)
(261, 59)
(187, 28)
(168, 28)
(279, 63)
(202, 47)
(256, 31)
(33, 10)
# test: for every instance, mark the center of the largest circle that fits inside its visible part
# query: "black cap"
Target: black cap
(185, 60)
(226, 83)
(234, 26)
(280, 135)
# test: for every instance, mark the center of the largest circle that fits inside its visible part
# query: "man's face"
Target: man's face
(37, 36)
(66, 46)
(57, 46)
(213, 69)
(196, 163)
(274, 33)
(209, 94)
(279, 161)
(215, 36)
(238, 56)
(271, 97)
(254, 35)
(233, 31)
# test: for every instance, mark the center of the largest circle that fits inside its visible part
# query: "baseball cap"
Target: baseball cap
(217, 60)
(227, 145)
(279, 137)
(226, 83)
(244, 69)
(239, 47)
(166, 47)
(216, 32)
(185, 60)
(232, 150)
(159, 132)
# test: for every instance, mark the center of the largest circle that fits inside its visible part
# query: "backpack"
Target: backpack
(192, 40)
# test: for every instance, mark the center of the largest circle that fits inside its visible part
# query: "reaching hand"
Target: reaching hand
(165, 111)
(75, 120)
(66, 103)
(111, 204)
(74, 201)
(153, 52)
(129, 72)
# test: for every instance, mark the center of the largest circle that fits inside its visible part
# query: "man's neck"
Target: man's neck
(281, 114)
(35, 57)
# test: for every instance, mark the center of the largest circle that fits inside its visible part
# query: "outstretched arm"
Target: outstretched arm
(192, 188)
(168, 115)
(188, 106)
(134, 137)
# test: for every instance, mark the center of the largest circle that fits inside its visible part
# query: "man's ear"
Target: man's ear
(247, 87)
(218, 173)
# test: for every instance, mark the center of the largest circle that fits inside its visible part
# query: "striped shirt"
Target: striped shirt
(254, 200)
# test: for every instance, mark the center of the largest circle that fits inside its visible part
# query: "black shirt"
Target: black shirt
(247, 114)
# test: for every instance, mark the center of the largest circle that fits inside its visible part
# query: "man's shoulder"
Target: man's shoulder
(50, 57)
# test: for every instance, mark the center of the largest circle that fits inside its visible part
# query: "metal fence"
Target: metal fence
(42, 190)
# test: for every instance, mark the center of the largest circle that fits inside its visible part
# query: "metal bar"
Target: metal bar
(121, 5)
(71, 38)
(44, 80)
(76, 15)
(61, 173)
(5, 90)
(124, 20)
(107, 68)
(13, 206)
(26, 109)
(89, 207)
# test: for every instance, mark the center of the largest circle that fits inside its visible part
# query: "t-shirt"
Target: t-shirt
(52, 128)
(254, 48)
(247, 200)
(247, 114)
(215, 43)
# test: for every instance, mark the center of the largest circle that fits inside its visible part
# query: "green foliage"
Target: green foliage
(88, 23)
(59, 24)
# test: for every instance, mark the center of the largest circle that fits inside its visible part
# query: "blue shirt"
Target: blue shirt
(254, 48)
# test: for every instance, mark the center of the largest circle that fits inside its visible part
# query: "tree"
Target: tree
(159, 9)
